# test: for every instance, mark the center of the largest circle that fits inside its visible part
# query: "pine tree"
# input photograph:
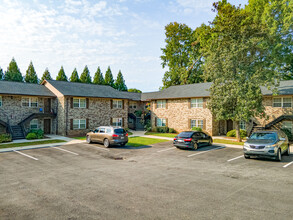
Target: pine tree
(98, 78)
(46, 75)
(61, 75)
(85, 76)
(1, 74)
(120, 83)
(31, 75)
(13, 73)
(74, 76)
(109, 78)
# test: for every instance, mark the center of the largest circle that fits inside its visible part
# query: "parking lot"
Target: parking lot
(88, 181)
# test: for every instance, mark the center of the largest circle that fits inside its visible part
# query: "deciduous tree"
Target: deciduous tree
(134, 90)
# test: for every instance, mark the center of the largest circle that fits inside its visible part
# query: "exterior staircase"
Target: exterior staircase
(17, 132)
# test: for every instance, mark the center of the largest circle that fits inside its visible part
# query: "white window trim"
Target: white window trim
(37, 123)
(196, 103)
(116, 103)
(1, 101)
(78, 128)
(163, 121)
(79, 102)
(117, 123)
(197, 124)
(282, 102)
(161, 103)
(30, 101)
(242, 124)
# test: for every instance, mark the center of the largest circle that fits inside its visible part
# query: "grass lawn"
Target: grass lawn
(79, 138)
(30, 143)
(142, 141)
(221, 141)
(170, 135)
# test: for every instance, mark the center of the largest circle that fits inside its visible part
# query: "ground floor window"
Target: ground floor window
(79, 123)
(34, 124)
(161, 122)
(242, 125)
(196, 123)
(287, 125)
(117, 122)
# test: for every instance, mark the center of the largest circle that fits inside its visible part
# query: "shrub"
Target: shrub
(38, 132)
(196, 129)
(232, 133)
(288, 133)
(162, 129)
(147, 125)
(31, 136)
(172, 130)
(5, 138)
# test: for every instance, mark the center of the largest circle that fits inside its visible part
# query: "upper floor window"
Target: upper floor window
(282, 102)
(29, 102)
(242, 125)
(161, 122)
(196, 123)
(117, 122)
(161, 103)
(34, 124)
(132, 105)
(79, 102)
(197, 103)
(0, 101)
(79, 123)
(117, 103)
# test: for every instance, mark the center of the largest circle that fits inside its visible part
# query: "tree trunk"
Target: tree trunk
(237, 127)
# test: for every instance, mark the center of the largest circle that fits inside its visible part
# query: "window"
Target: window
(161, 122)
(117, 122)
(117, 103)
(0, 101)
(132, 105)
(287, 125)
(196, 123)
(29, 102)
(242, 125)
(161, 103)
(34, 124)
(197, 103)
(282, 102)
(79, 123)
(79, 102)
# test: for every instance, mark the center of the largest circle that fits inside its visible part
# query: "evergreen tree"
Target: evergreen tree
(109, 78)
(31, 75)
(120, 83)
(61, 75)
(85, 76)
(98, 78)
(74, 76)
(46, 75)
(1, 74)
(13, 73)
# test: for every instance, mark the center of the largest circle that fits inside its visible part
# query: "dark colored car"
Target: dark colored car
(272, 144)
(192, 139)
(108, 136)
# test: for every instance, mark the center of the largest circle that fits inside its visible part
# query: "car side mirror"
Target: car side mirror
(282, 139)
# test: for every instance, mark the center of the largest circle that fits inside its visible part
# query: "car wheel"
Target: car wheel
(279, 156)
(246, 156)
(195, 146)
(88, 139)
(288, 150)
(106, 143)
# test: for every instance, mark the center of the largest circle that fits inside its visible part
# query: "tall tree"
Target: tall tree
(74, 76)
(98, 78)
(238, 60)
(13, 72)
(31, 75)
(1, 74)
(109, 77)
(120, 83)
(85, 76)
(134, 90)
(46, 75)
(61, 75)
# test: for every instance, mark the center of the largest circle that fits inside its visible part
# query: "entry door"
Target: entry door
(229, 125)
(47, 105)
(47, 126)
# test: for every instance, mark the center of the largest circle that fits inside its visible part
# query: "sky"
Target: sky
(126, 35)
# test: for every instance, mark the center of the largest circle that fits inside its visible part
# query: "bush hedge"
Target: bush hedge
(31, 136)
(38, 132)
(232, 133)
(165, 129)
(5, 138)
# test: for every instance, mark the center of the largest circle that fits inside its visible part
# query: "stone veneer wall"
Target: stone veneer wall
(99, 113)
(139, 106)
(179, 113)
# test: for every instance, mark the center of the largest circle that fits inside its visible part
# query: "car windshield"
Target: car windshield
(263, 136)
(185, 134)
(119, 131)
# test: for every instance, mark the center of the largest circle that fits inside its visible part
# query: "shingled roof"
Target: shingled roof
(91, 90)
(20, 88)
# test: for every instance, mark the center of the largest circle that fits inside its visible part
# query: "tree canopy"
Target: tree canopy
(109, 77)
(120, 83)
(31, 75)
(85, 76)
(134, 90)
(74, 76)
(13, 73)
(46, 75)
(98, 78)
(61, 75)
(1, 74)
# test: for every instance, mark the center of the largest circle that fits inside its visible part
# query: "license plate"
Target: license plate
(180, 141)
(122, 137)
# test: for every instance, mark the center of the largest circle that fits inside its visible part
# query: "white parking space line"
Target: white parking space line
(26, 155)
(171, 148)
(65, 150)
(191, 155)
(235, 158)
(102, 148)
(288, 164)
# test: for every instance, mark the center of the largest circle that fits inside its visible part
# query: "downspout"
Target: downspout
(66, 117)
